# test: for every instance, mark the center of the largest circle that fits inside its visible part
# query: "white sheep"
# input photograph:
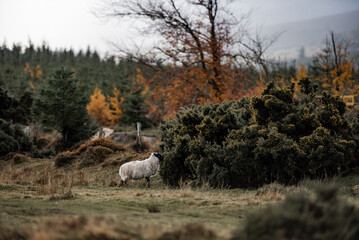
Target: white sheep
(140, 169)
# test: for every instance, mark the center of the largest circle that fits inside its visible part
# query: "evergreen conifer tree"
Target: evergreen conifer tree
(60, 104)
(135, 109)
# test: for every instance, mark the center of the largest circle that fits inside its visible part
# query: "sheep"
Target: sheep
(140, 169)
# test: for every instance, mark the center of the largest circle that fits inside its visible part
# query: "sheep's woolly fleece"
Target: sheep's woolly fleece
(139, 169)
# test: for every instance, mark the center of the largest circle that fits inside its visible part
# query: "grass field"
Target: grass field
(40, 201)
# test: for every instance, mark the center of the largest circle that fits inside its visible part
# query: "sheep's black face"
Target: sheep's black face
(159, 156)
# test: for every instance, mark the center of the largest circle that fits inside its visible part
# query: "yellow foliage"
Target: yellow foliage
(99, 108)
(116, 110)
(107, 113)
(302, 73)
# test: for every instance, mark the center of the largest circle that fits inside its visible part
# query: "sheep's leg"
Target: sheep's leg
(148, 181)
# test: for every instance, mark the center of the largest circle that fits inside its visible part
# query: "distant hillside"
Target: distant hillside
(311, 34)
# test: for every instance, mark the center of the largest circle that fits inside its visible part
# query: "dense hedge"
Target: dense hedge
(274, 137)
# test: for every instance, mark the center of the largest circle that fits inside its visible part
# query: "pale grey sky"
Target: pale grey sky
(70, 23)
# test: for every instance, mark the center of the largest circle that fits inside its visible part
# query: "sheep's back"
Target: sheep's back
(144, 169)
(139, 169)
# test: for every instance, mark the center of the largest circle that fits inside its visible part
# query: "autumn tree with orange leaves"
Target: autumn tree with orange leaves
(200, 57)
(106, 112)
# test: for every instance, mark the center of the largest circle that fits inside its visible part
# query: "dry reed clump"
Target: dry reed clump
(186, 193)
(20, 174)
(64, 158)
(80, 179)
(57, 185)
(19, 158)
(103, 142)
(273, 191)
(11, 173)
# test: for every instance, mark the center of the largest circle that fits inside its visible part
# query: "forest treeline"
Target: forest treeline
(124, 90)
(23, 68)
(291, 116)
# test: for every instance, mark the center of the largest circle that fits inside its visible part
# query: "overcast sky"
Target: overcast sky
(71, 23)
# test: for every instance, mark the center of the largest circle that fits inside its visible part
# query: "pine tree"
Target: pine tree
(135, 109)
(60, 104)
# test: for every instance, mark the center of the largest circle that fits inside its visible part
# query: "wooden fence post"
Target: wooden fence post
(139, 132)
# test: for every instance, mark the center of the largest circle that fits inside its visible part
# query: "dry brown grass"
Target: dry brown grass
(19, 158)
(271, 192)
(64, 158)
(42, 176)
(100, 227)
(130, 211)
(54, 183)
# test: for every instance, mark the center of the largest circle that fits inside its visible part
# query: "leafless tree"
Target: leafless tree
(194, 32)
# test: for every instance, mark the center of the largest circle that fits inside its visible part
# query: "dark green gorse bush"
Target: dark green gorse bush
(273, 137)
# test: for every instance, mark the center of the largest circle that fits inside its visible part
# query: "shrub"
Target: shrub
(258, 156)
(188, 139)
(13, 139)
(275, 137)
(303, 217)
